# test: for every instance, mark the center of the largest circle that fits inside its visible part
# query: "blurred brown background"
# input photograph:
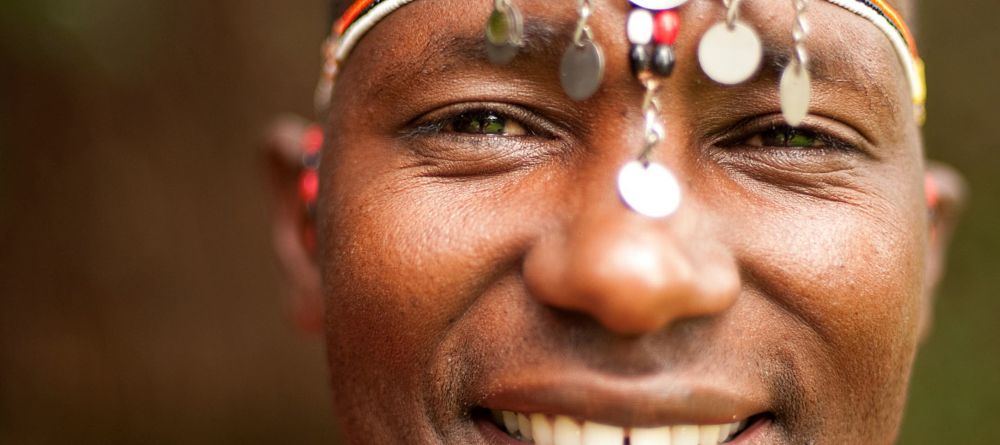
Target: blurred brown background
(139, 301)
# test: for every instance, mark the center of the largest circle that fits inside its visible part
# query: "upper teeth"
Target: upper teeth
(543, 429)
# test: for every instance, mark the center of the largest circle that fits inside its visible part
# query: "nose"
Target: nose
(633, 274)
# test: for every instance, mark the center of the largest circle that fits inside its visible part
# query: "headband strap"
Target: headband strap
(360, 18)
(363, 15)
(889, 22)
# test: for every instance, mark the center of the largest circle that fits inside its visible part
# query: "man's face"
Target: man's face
(477, 258)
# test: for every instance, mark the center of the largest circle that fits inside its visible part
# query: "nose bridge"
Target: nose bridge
(631, 273)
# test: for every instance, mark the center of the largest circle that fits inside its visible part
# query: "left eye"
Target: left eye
(484, 122)
(788, 137)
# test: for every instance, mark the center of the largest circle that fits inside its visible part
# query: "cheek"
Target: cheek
(405, 258)
(848, 281)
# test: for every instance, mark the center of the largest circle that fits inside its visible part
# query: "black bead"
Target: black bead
(663, 60)
(640, 59)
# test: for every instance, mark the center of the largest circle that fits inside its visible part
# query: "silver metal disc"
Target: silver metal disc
(796, 90)
(658, 5)
(730, 56)
(498, 27)
(501, 54)
(651, 190)
(504, 33)
(582, 70)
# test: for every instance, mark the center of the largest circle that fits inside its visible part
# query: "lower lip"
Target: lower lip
(494, 435)
(753, 433)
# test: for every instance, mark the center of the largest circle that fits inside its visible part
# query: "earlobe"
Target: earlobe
(945, 193)
(291, 157)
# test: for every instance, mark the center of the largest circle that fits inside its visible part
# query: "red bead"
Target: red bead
(309, 186)
(666, 27)
(312, 140)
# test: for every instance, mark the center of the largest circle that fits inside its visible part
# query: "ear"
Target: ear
(946, 194)
(294, 229)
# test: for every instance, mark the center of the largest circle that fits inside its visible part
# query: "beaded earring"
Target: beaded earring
(312, 145)
(795, 87)
(648, 187)
(582, 67)
(504, 32)
(731, 51)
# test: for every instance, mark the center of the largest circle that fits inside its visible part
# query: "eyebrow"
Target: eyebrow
(544, 41)
(542, 38)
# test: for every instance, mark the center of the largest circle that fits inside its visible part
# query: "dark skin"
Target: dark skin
(472, 252)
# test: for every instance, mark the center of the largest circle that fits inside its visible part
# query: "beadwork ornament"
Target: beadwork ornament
(796, 88)
(652, 36)
(731, 51)
(582, 67)
(646, 187)
(666, 27)
(504, 32)
(663, 60)
(640, 26)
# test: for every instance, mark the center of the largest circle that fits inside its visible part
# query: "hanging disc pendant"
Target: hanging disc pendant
(649, 189)
(730, 55)
(582, 70)
(501, 54)
(658, 5)
(504, 31)
(498, 27)
(796, 90)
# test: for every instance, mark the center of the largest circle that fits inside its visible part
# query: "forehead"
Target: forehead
(436, 43)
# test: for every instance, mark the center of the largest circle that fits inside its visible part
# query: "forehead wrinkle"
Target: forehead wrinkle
(867, 63)
(870, 78)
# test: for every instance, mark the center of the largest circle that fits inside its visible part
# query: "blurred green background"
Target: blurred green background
(140, 303)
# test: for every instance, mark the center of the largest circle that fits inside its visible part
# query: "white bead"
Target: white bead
(640, 27)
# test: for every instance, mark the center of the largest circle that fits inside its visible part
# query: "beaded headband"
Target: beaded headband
(729, 53)
(362, 15)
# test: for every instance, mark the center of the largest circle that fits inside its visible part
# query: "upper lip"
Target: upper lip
(654, 400)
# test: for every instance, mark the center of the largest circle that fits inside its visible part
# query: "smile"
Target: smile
(543, 429)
